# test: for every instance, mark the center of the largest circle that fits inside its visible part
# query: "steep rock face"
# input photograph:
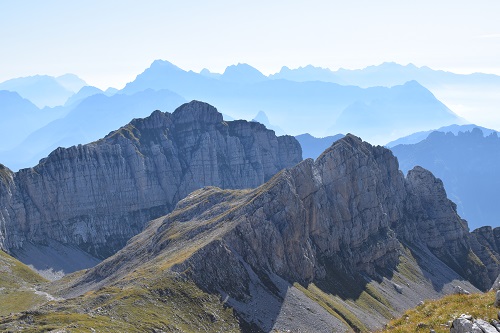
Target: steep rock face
(97, 196)
(332, 230)
(349, 212)
(486, 244)
(436, 224)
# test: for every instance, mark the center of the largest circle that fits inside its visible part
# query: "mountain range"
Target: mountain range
(344, 242)
(86, 121)
(473, 94)
(89, 200)
(467, 163)
(45, 90)
(241, 91)
(318, 108)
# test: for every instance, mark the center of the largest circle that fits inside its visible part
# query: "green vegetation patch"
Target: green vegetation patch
(157, 302)
(17, 286)
(437, 314)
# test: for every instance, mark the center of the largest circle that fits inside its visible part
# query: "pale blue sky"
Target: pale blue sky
(108, 43)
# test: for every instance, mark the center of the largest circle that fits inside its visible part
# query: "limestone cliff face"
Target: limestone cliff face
(333, 225)
(350, 212)
(485, 242)
(432, 220)
(99, 195)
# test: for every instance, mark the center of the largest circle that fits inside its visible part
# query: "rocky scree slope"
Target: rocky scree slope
(97, 196)
(343, 242)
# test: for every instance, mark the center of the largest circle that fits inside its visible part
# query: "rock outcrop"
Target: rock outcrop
(468, 324)
(97, 196)
(341, 231)
(486, 244)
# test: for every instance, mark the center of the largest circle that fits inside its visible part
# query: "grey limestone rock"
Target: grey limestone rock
(485, 242)
(465, 324)
(496, 284)
(97, 196)
(339, 222)
(485, 326)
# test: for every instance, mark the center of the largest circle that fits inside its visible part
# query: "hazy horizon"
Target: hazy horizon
(109, 43)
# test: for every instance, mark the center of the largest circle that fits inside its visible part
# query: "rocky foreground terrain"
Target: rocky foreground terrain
(343, 243)
(84, 203)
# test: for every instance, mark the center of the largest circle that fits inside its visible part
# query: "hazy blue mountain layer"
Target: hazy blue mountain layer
(86, 121)
(313, 147)
(44, 90)
(20, 117)
(475, 93)
(299, 107)
(261, 117)
(468, 165)
(420, 136)
(386, 74)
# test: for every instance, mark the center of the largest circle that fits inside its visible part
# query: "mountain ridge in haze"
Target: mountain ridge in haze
(284, 101)
(467, 163)
(45, 90)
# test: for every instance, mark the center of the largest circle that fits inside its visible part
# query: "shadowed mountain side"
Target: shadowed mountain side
(90, 120)
(99, 195)
(346, 232)
(468, 165)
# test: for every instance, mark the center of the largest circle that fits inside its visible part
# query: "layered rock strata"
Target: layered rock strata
(343, 231)
(99, 195)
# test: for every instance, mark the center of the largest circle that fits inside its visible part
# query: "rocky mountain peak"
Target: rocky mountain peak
(332, 230)
(196, 111)
(97, 196)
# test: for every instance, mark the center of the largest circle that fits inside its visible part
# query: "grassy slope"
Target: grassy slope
(16, 286)
(437, 314)
(153, 300)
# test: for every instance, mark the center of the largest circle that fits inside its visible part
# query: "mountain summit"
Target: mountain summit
(243, 73)
(95, 197)
(343, 242)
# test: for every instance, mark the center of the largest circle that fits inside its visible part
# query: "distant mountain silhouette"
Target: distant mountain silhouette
(19, 117)
(467, 163)
(91, 119)
(475, 94)
(110, 91)
(313, 147)
(420, 136)
(261, 117)
(207, 73)
(387, 74)
(83, 93)
(307, 73)
(71, 82)
(44, 90)
(407, 107)
(296, 107)
(242, 73)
